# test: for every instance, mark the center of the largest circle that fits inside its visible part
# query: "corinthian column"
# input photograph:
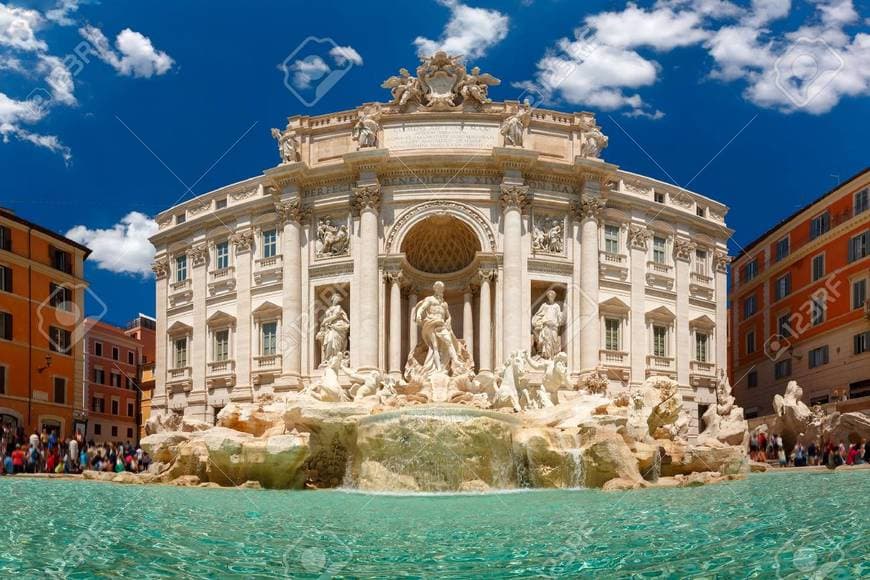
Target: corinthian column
(394, 280)
(683, 251)
(513, 199)
(291, 214)
(367, 201)
(485, 324)
(588, 211)
(412, 329)
(468, 319)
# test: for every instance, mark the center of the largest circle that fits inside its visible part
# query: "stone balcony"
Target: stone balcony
(616, 362)
(221, 374)
(660, 275)
(265, 368)
(268, 270)
(180, 379)
(701, 285)
(222, 281)
(613, 266)
(702, 373)
(181, 292)
(660, 365)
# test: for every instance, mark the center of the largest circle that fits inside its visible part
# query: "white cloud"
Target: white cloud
(764, 11)
(135, 56)
(18, 28)
(123, 248)
(61, 13)
(660, 28)
(311, 68)
(470, 32)
(58, 78)
(345, 54)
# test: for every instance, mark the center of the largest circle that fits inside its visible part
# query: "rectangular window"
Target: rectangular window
(701, 262)
(750, 342)
(752, 380)
(5, 326)
(820, 225)
(60, 297)
(783, 326)
(750, 270)
(2, 380)
(269, 334)
(859, 246)
(61, 260)
(222, 255)
(130, 409)
(782, 369)
(659, 250)
(611, 239)
(783, 286)
(782, 249)
(6, 279)
(116, 353)
(98, 349)
(818, 267)
(699, 211)
(817, 309)
(221, 346)
(862, 342)
(128, 382)
(611, 333)
(5, 239)
(114, 431)
(100, 376)
(60, 390)
(99, 405)
(181, 353)
(131, 357)
(180, 218)
(59, 340)
(115, 407)
(270, 243)
(862, 200)
(702, 346)
(98, 429)
(181, 268)
(818, 356)
(859, 293)
(116, 379)
(220, 203)
(660, 341)
(749, 307)
(659, 197)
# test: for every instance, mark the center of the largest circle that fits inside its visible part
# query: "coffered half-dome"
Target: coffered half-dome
(440, 244)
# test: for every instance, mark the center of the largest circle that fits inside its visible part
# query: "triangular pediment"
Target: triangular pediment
(660, 313)
(179, 327)
(266, 309)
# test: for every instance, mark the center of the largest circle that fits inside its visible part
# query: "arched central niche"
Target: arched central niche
(440, 244)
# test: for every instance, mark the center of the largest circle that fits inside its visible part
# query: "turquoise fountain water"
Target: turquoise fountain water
(791, 525)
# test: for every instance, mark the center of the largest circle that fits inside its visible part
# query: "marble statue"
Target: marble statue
(288, 145)
(332, 335)
(512, 379)
(548, 236)
(432, 316)
(332, 240)
(555, 377)
(364, 384)
(514, 127)
(365, 132)
(329, 389)
(592, 142)
(404, 88)
(475, 87)
(545, 325)
(724, 421)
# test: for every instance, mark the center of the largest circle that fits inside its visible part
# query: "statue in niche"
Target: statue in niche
(432, 315)
(475, 87)
(365, 132)
(404, 88)
(288, 145)
(545, 325)
(548, 236)
(514, 127)
(592, 142)
(332, 335)
(334, 241)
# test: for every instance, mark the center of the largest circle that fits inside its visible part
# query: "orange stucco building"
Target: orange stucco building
(799, 306)
(144, 329)
(42, 293)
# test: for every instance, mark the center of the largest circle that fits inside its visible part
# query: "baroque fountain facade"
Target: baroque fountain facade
(443, 292)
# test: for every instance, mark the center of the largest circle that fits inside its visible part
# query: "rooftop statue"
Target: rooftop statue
(442, 83)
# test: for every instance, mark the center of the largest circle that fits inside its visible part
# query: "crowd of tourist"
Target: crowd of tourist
(763, 448)
(45, 452)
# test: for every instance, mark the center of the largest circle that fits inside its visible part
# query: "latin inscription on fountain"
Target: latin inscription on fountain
(440, 136)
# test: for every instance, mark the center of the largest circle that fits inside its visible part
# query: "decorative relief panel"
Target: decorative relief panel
(333, 238)
(548, 234)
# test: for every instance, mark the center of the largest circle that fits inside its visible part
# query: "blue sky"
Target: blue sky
(761, 105)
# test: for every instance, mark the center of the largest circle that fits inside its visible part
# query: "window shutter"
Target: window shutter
(7, 326)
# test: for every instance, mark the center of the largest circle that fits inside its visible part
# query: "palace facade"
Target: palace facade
(503, 203)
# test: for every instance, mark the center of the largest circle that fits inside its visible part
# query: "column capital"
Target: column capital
(394, 276)
(291, 210)
(588, 207)
(486, 274)
(684, 248)
(160, 267)
(367, 197)
(721, 260)
(638, 236)
(198, 254)
(514, 196)
(243, 240)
